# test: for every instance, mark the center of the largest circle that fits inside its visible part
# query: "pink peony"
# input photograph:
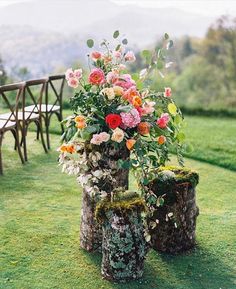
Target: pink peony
(163, 120)
(129, 56)
(78, 73)
(69, 74)
(73, 82)
(96, 76)
(95, 55)
(125, 81)
(167, 92)
(130, 119)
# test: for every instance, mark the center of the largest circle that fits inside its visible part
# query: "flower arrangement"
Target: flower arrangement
(114, 108)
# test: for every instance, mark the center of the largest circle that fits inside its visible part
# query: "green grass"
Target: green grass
(40, 215)
(213, 139)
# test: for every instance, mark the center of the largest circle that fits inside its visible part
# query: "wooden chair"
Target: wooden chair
(33, 93)
(53, 103)
(11, 122)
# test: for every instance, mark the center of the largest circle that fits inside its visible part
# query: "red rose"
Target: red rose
(113, 120)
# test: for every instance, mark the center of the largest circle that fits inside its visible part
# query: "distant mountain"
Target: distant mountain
(45, 35)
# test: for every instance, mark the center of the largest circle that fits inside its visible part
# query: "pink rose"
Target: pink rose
(129, 56)
(117, 54)
(167, 92)
(99, 138)
(148, 107)
(122, 67)
(96, 76)
(69, 74)
(105, 136)
(112, 77)
(163, 120)
(73, 82)
(78, 73)
(96, 139)
(95, 55)
(125, 81)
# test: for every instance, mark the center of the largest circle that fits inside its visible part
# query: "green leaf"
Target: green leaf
(90, 129)
(118, 47)
(90, 43)
(116, 34)
(170, 44)
(160, 64)
(172, 108)
(125, 41)
(161, 201)
(166, 36)
(147, 55)
(178, 119)
(189, 148)
(181, 136)
(145, 181)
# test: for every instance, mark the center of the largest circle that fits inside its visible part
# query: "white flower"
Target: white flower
(108, 92)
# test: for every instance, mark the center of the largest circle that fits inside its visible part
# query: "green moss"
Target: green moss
(123, 206)
(166, 178)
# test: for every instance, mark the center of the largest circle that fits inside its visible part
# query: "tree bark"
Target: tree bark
(176, 234)
(90, 230)
(123, 247)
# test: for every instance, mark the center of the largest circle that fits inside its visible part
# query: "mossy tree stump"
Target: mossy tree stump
(172, 224)
(90, 230)
(124, 246)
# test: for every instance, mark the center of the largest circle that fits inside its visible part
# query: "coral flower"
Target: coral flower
(130, 143)
(95, 55)
(113, 120)
(144, 128)
(96, 76)
(161, 139)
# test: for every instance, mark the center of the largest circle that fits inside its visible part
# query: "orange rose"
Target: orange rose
(80, 121)
(144, 128)
(71, 149)
(81, 124)
(136, 101)
(130, 143)
(63, 148)
(161, 139)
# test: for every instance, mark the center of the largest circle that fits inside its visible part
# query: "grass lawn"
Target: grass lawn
(40, 216)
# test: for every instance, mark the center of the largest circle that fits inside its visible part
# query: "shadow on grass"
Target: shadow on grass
(197, 269)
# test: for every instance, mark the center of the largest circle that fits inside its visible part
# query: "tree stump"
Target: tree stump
(172, 225)
(124, 246)
(90, 230)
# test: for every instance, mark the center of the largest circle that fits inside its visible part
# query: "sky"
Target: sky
(207, 7)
